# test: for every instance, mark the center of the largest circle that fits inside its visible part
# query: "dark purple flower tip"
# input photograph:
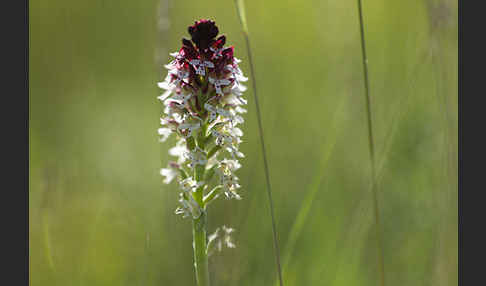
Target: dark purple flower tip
(203, 33)
(187, 43)
(219, 43)
(225, 58)
(228, 53)
(188, 51)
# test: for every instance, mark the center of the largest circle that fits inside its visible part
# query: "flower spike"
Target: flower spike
(203, 102)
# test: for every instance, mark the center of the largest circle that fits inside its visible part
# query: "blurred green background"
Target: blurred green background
(100, 215)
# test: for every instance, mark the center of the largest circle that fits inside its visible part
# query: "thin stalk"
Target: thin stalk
(199, 226)
(371, 147)
(241, 16)
(200, 255)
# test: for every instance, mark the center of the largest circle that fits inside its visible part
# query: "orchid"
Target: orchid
(203, 105)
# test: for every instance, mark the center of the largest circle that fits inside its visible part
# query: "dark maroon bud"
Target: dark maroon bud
(203, 33)
(228, 53)
(188, 52)
(187, 43)
(220, 41)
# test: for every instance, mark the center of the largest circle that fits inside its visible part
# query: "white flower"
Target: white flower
(189, 206)
(168, 86)
(228, 180)
(164, 133)
(215, 111)
(218, 83)
(165, 95)
(222, 139)
(182, 98)
(178, 151)
(232, 165)
(235, 131)
(224, 113)
(171, 65)
(217, 240)
(213, 114)
(174, 110)
(233, 99)
(191, 127)
(235, 152)
(169, 174)
(201, 65)
(239, 109)
(230, 184)
(238, 119)
(188, 184)
(237, 73)
(169, 123)
(227, 236)
(181, 75)
(237, 90)
(197, 157)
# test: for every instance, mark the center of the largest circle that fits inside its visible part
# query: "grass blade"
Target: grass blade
(371, 146)
(240, 9)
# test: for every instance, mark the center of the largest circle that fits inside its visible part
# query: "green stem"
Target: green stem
(199, 245)
(199, 225)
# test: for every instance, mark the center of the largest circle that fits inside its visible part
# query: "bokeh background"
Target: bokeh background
(100, 215)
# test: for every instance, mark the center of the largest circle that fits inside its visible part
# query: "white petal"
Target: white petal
(165, 85)
(209, 64)
(239, 119)
(165, 95)
(236, 131)
(169, 174)
(177, 151)
(165, 133)
(241, 77)
(240, 109)
(241, 87)
(224, 81)
(242, 100)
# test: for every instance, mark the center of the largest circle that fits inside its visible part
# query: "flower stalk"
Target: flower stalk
(200, 255)
(203, 99)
